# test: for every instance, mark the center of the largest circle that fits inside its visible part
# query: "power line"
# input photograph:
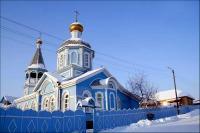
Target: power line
(23, 34)
(25, 43)
(30, 28)
(100, 53)
(96, 62)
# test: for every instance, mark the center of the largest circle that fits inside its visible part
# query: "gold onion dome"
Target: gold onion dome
(76, 26)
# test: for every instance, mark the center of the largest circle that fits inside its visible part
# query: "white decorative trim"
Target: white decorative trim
(25, 98)
(88, 58)
(44, 102)
(63, 100)
(111, 93)
(102, 100)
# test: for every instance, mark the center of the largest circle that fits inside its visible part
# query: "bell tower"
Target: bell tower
(74, 57)
(35, 70)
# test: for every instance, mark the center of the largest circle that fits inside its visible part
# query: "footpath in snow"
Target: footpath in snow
(188, 122)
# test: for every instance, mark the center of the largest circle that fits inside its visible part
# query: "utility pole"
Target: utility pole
(177, 105)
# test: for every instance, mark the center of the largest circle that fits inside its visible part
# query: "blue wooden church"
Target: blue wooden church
(75, 84)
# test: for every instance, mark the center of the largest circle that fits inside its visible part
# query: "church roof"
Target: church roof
(69, 82)
(37, 60)
(76, 41)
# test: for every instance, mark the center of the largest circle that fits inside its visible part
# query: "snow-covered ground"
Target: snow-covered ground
(188, 122)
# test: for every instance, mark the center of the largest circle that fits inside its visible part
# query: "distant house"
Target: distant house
(168, 98)
(7, 101)
(196, 102)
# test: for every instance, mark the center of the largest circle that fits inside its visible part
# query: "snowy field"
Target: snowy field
(188, 122)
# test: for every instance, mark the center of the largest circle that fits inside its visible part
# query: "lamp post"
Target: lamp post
(177, 105)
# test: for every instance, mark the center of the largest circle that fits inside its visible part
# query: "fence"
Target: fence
(15, 120)
(110, 119)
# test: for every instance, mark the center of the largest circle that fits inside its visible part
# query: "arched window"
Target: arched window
(52, 103)
(33, 74)
(40, 74)
(46, 104)
(74, 58)
(111, 85)
(33, 77)
(112, 100)
(33, 105)
(86, 60)
(66, 101)
(27, 75)
(99, 99)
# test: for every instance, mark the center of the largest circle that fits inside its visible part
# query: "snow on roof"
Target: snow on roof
(85, 75)
(9, 98)
(170, 94)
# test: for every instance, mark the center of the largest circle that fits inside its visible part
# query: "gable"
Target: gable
(46, 84)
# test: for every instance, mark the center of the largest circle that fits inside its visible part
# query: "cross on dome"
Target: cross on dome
(76, 15)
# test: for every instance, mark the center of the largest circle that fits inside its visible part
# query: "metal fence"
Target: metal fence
(15, 120)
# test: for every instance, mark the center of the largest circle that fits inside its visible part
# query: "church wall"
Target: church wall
(127, 102)
(27, 104)
(85, 85)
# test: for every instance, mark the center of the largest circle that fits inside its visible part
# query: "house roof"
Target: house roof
(170, 94)
(8, 98)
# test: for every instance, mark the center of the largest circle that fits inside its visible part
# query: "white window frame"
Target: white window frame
(88, 58)
(50, 103)
(44, 104)
(76, 59)
(63, 101)
(111, 93)
(102, 100)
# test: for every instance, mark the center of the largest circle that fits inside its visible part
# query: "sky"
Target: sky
(128, 37)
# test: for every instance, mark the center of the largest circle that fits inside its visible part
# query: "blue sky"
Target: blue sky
(146, 36)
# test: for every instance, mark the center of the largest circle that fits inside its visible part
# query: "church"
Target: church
(75, 84)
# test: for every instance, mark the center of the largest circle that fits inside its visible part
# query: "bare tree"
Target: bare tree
(139, 85)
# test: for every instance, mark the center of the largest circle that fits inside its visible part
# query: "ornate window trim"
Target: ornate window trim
(75, 57)
(86, 58)
(102, 100)
(45, 104)
(65, 101)
(52, 103)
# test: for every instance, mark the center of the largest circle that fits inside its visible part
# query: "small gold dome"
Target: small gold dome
(76, 26)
